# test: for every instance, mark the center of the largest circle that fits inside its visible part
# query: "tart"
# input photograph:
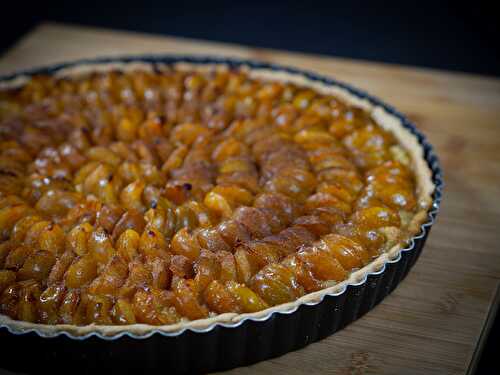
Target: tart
(145, 197)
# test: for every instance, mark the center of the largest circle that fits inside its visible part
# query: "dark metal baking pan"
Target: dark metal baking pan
(221, 346)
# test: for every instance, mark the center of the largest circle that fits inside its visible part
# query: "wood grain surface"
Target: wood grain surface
(432, 323)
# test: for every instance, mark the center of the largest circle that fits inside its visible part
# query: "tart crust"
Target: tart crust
(424, 189)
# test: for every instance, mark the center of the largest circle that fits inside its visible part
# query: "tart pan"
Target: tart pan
(221, 345)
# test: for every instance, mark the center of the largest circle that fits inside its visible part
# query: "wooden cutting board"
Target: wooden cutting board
(434, 321)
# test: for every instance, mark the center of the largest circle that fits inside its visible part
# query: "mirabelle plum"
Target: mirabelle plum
(123, 312)
(77, 238)
(219, 299)
(160, 272)
(313, 224)
(322, 265)
(49, 302)
(229, 148)
(81, 272)
(52, 239)
(233, 232)
(149, 307)
(17, 256)
(254, 220)
(227, 266)
(303, 273)
(100, 246)
(29, 293)
(153, 243)
(37, 266)
(131, 219)
(131, 196)
(207, 268)
(320, 200)
(186, 300)
(98, 183)
(347, 251)
(289, 239)
(210, 239)
(6, 278)
(111, 278)
(262, 252)
(187, 133)
(347, 123)
(56, 202)
(375, 217)
(139, 277)
(9, 216)
(184, 243)
(68, 306)
(33, 234)
(175, 159)
(98, 310)
(303, 99)
(276, 284)
(293, 182)
(22, 227)
(246, 298)
(127, 244)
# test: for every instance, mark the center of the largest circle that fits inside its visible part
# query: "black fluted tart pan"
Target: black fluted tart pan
(221, 345)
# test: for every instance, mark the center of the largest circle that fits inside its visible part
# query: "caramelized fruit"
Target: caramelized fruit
(151, 197)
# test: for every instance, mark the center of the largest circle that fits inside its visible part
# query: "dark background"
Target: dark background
(447, 35)
(444, 35)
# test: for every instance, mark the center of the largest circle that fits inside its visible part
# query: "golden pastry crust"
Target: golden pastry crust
(391, 123)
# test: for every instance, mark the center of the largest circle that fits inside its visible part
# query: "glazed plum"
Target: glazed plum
(159, 196)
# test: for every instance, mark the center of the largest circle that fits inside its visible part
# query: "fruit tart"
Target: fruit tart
(158, 196)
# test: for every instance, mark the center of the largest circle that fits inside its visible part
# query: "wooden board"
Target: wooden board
(432, 323)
